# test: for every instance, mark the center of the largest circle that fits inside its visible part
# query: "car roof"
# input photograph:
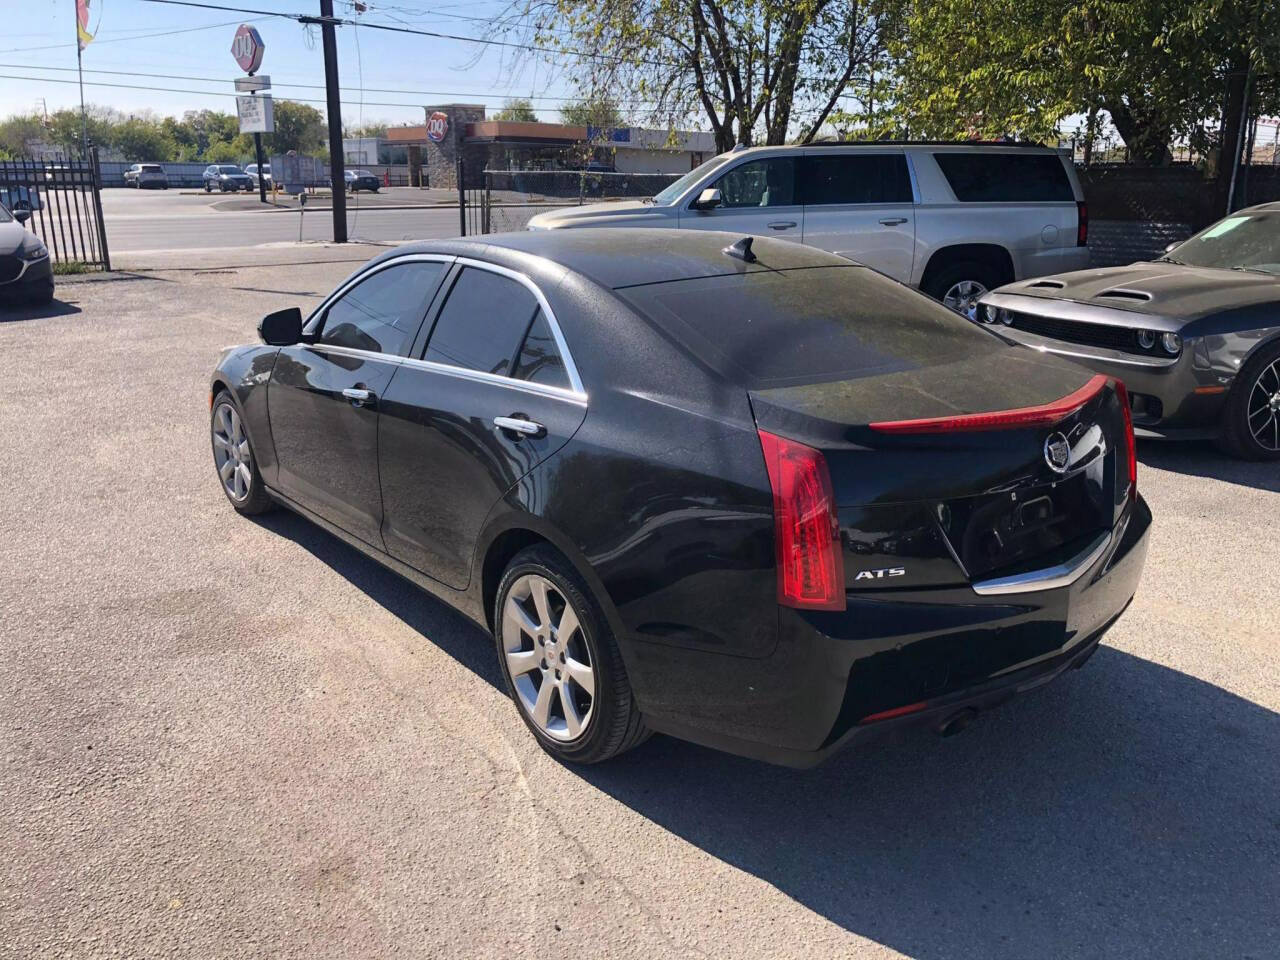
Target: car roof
(984, 146)
(619, 257)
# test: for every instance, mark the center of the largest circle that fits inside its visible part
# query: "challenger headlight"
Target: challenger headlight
(1146, 339)
(1172, 343)
(33, 248)
(993, 314)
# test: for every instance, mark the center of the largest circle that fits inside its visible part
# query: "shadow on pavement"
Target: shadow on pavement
(1125, 810)
(1200, 458)
(26, 311)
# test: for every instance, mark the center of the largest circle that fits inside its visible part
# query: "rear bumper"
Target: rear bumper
(938, 651)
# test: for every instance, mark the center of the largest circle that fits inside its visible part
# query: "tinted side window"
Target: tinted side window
(760, 183)
(1005, 177)
(850, 178)
(482, 323)
(540, 359)
(382, 312)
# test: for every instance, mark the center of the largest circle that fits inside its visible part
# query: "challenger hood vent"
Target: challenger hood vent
(1117, 293)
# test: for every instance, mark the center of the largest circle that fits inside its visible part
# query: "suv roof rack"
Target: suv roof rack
(925, 143)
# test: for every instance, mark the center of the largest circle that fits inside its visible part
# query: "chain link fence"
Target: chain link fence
(509, 199)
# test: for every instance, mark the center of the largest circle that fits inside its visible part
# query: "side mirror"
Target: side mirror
(708, 199)
(22, 214)
(282, 328)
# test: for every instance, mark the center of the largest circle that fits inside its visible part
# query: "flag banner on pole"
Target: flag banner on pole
(82, 23)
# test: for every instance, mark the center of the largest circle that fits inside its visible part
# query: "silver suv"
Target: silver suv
(954, 219)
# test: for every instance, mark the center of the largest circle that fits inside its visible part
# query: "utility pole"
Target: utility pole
(332, 96)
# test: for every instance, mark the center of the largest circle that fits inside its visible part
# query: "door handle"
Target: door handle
(519, 425)
(358, 396)
(893, 221)
(781, 224)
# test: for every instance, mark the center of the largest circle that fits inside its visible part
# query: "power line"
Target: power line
(342, 21)
(310, 86)
(143, 36)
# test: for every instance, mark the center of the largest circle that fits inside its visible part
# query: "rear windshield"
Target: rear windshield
(152, 168)
(993, 177)
(777, 328)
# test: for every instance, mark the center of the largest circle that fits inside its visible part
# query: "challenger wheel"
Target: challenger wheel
(561, 663)
(1251, 420)
(234, 460)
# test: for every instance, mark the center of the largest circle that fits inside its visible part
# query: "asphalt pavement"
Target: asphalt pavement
(229, 738)
(158, 220)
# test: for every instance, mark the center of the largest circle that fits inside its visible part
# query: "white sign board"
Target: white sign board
(256, 115)
(253, 84)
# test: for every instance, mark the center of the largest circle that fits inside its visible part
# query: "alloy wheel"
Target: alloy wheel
(231, 453)
(1263, 408)
(548, 659)
(962, 297)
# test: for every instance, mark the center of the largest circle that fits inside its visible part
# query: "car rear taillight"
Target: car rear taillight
(806, 529)
(1082, 224)
(1131, 445)
(1041, 415)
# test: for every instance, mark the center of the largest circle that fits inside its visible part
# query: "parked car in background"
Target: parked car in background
(361, 180)
(742, 492)
(955, 220)
(22, 196)
(26, 271)
(149, 175)
(252, 172)
(226, 177)
(1195, 334)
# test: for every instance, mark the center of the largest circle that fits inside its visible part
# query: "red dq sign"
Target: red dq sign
(247, 48)
(437, 127)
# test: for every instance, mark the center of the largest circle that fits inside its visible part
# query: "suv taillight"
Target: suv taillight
(1082, 224)
(1131, 445)
(806, 528)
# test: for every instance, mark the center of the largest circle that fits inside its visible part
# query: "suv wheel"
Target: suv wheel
(959, 285)
(560, 662)
(1251, 419)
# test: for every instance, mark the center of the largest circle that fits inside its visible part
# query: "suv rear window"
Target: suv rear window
(776, 328)
(991, 177)
(151, 168)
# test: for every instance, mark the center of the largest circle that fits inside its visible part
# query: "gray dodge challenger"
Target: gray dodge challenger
(1194, 335)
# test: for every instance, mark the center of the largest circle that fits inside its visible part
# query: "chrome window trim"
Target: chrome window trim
(1050, 578)
(480, 376)
(570, 367)
(575, 392)
(309, 327)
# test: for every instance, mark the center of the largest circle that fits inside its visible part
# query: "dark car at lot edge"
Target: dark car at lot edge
(226, 177)
(26, 270)
(1194, 334)
(749, 494)
(361, 180)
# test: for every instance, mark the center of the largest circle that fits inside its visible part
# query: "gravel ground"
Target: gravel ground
(222, 738)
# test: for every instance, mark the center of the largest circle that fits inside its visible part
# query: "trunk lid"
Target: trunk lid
(948, 503)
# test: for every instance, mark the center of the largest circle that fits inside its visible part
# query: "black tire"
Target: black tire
(615, 724)
(256, 500)
(207, 188)
(1261, 371)
(953, 273)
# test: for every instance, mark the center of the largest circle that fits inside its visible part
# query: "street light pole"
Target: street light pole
(332, 97)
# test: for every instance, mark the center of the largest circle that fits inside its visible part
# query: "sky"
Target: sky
(38, 58)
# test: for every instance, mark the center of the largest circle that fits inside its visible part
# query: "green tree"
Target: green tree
(300, 127)
(141, 138)
(16, 131)
(517, 108)
(1157, 67)
(374, 128)
(758, 70)
(600, 112)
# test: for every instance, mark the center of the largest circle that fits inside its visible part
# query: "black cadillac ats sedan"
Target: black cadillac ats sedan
(742, 492)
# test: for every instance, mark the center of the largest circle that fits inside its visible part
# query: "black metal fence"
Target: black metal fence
(501, 200)
(63, 199)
